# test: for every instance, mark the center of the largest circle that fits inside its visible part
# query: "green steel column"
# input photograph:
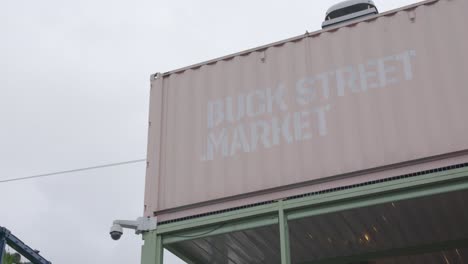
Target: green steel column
(152, 250)
(284, 235)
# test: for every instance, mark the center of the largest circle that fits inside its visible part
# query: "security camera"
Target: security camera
(116, 232)
(142, 224)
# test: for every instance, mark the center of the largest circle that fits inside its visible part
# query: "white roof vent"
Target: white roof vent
(349, 10)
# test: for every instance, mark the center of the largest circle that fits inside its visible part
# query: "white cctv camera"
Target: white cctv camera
(116, 232)
(142, 224)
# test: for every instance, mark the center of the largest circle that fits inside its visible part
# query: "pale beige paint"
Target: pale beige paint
(407, 121)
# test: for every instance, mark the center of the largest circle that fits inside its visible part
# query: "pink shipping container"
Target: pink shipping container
(365, 100)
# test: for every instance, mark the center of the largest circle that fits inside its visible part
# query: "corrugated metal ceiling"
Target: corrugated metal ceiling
(410, 223)
(260, 245)
(378, 228)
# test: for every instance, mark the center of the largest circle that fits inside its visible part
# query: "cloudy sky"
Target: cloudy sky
(74, 82)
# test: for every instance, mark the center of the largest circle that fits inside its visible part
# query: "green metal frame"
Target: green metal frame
(152, 250)
(280, 212)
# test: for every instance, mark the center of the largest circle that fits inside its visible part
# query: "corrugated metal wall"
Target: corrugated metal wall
(383, 91)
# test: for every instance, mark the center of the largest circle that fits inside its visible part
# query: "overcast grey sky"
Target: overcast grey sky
(74, 80)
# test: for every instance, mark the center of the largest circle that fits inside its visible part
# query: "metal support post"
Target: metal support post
(20, 247)
(284, 235)
(2, 246)
(152, 251)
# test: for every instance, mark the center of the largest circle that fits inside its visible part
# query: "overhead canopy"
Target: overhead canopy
(424, 230)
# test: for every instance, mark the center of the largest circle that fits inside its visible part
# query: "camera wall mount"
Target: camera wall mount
(142, 224)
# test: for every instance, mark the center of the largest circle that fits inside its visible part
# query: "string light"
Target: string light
(446, 259)
(367, 237)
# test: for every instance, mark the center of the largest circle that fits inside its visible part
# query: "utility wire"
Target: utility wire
(74, 170)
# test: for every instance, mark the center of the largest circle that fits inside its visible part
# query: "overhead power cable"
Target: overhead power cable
(73, 171)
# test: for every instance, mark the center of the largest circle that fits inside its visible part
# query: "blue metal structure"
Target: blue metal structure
(6, 237)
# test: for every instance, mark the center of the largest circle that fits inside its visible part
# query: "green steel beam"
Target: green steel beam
(396, 252)
(405, 188)
(152, 250)
(424, 185)
(218, 218)
(373, 196)
(159, 250)
(404, 185)
(221, 228)
(284, 235)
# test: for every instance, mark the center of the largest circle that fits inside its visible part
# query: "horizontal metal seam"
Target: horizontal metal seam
(322, 192)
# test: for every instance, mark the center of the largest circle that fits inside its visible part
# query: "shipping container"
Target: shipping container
(364, 100)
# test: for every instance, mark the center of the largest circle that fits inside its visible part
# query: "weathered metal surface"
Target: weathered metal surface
(366, 95)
